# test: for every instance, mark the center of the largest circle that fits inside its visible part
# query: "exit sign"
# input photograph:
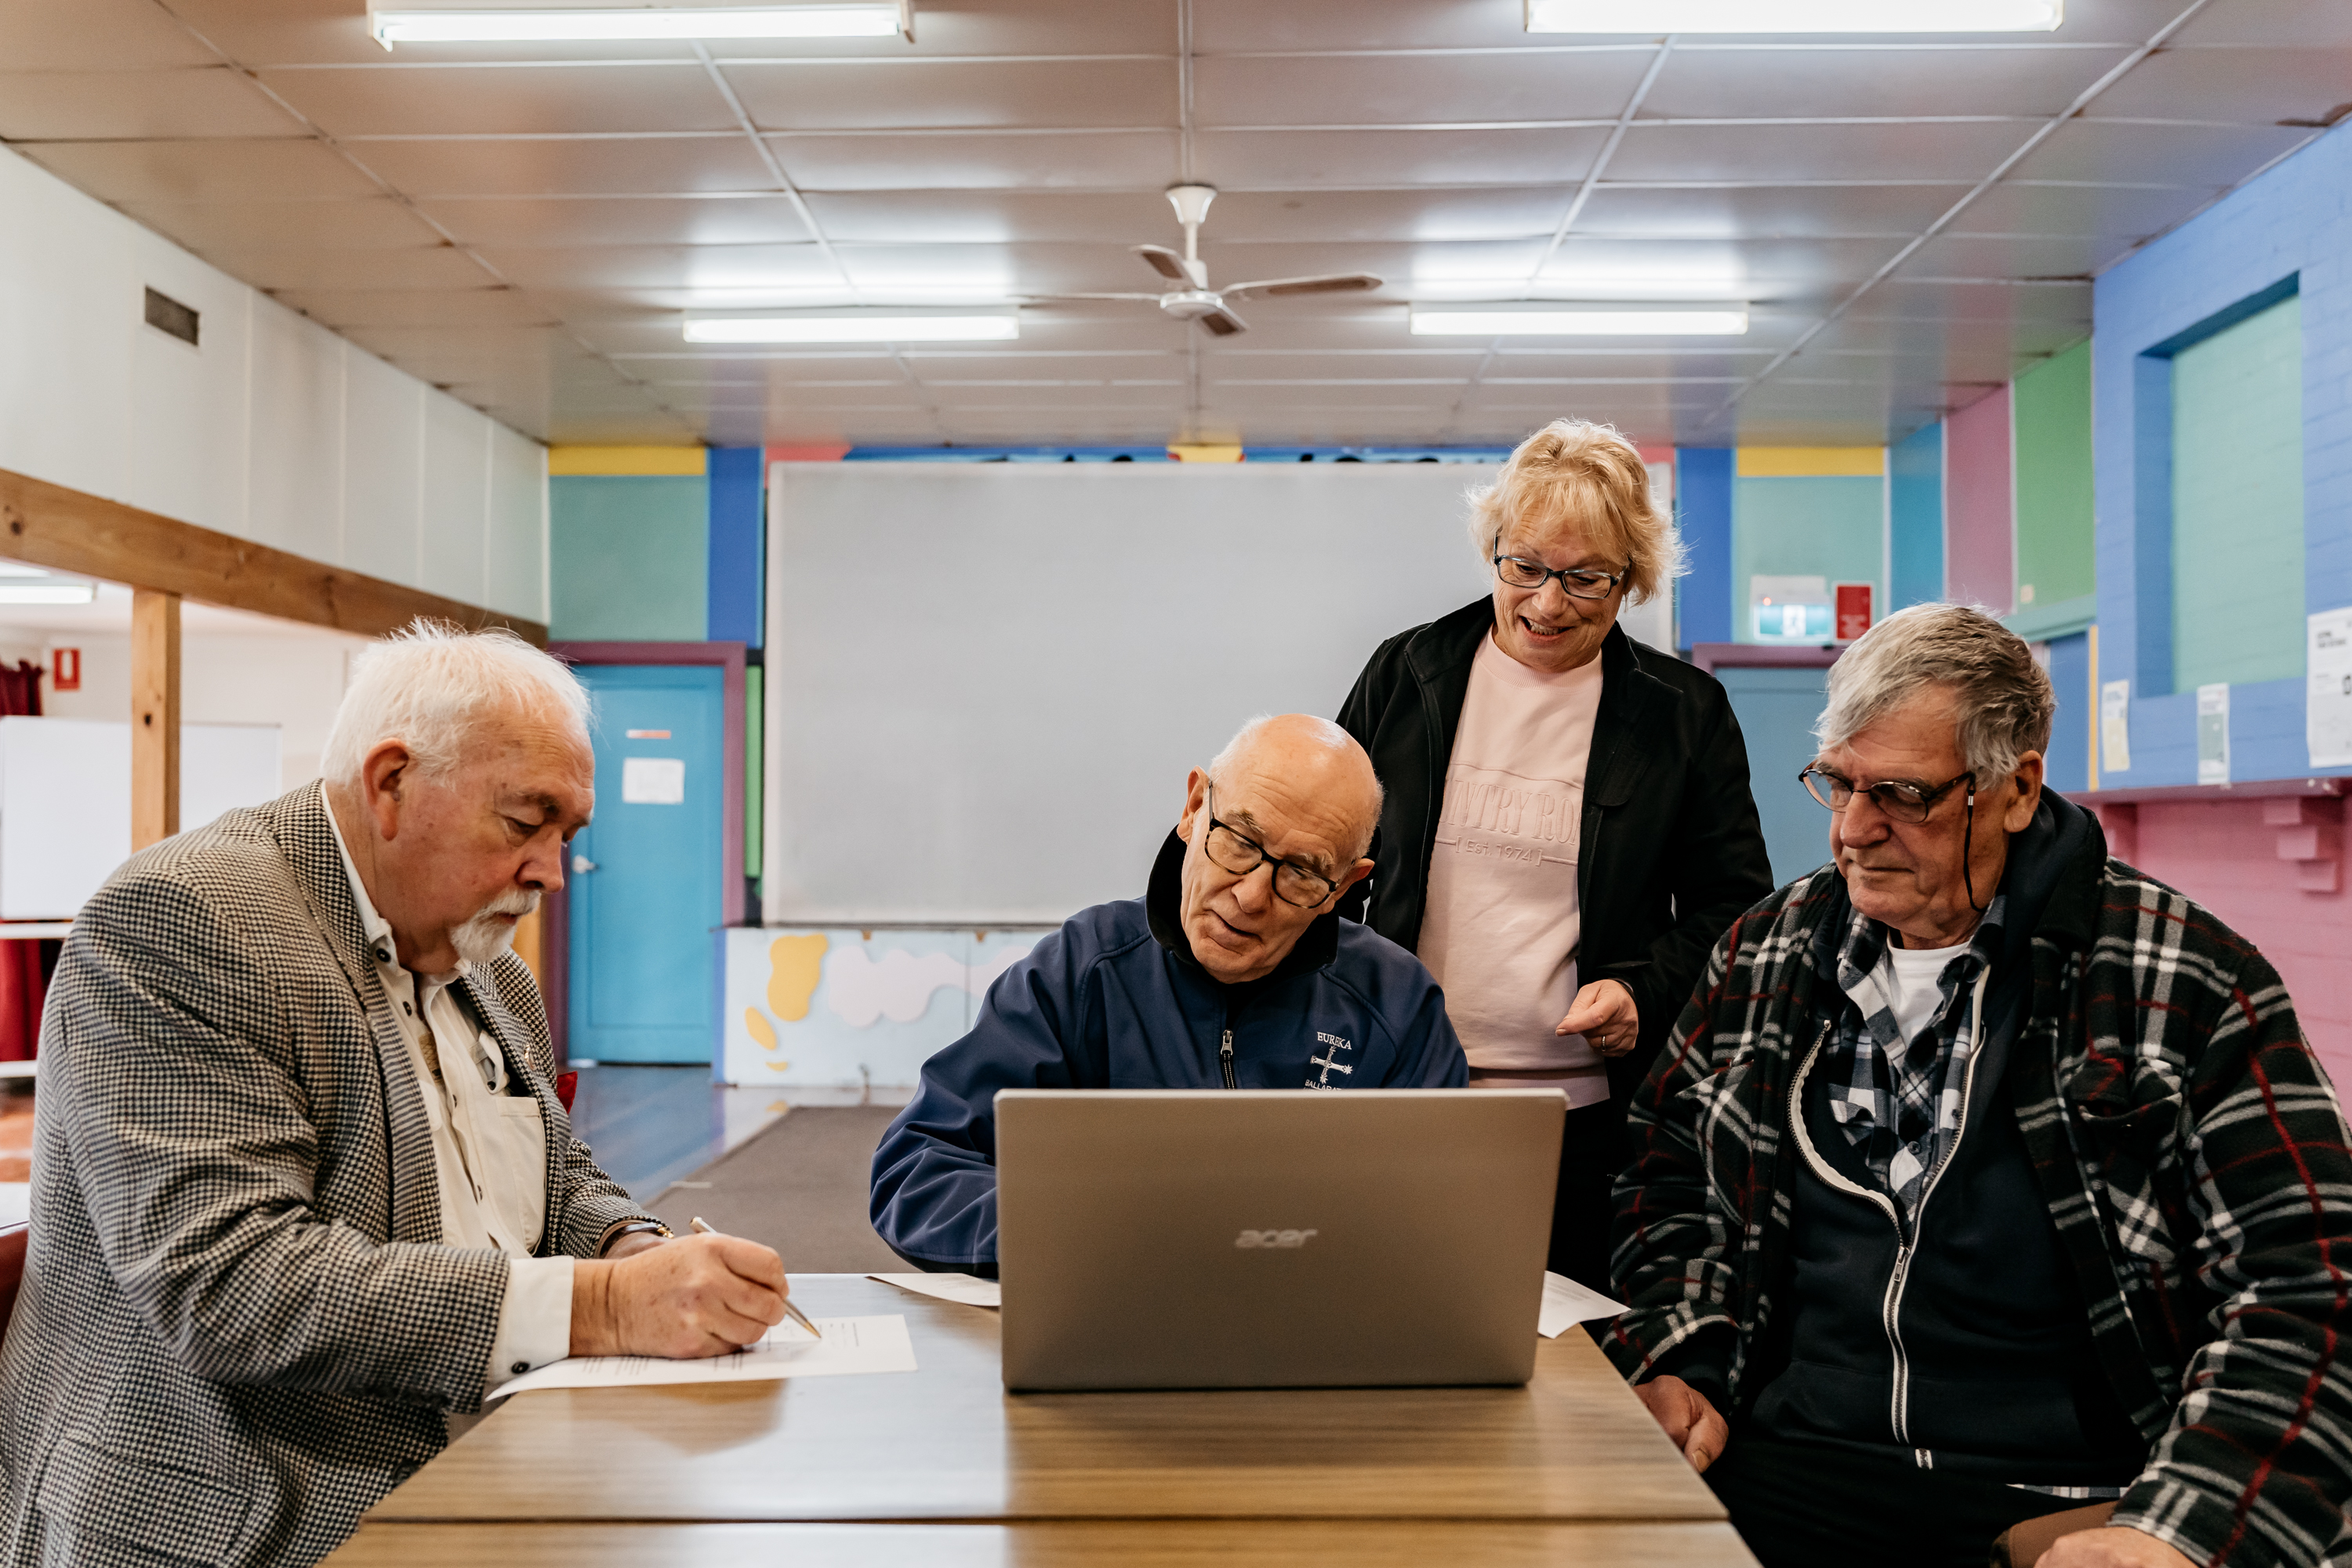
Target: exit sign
(1852, 609)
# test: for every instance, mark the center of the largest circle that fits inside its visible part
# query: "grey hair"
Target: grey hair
(433, 686)
(1325, 732)
(2001, 700)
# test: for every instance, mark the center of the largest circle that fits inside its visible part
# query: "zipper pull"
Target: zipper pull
(1226, 1058)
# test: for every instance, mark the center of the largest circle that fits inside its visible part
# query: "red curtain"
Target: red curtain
(22, 988)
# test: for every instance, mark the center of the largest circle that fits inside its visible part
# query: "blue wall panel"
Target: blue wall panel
(1703, 508)
(736, 530)
(2294, 219)
(1914, 513)
(2067, 763)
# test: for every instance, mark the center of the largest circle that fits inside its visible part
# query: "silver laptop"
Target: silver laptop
(1271, 1238)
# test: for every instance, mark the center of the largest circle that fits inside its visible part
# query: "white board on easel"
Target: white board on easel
(65, 800)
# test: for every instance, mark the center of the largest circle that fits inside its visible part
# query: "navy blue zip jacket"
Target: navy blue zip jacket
(1116, 1000)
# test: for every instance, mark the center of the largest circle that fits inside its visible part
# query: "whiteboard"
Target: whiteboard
(985, 683)
(65, 800)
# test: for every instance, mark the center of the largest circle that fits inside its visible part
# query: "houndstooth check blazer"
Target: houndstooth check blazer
(238, 1329)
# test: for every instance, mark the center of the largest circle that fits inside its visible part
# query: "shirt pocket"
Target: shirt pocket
(514, 1134)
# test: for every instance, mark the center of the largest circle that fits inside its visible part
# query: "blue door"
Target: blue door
(645, 874)
(1777, 707)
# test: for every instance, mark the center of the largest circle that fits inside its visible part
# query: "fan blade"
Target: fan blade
(1224, 322)
(1164, 261)
(1324, 283)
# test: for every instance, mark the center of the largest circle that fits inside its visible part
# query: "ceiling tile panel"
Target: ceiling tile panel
(1413, 90)
(983, 217)
(1716, 82)
(1966, 255)
(2250, 86)
(1430, 213)
(1223, 26)
(664, 266)
(436, 267)
(946, 161)
(163, 105)
(620, 220)
(202, 170)
(374, 222)
(2117, 213)
(2289, 24)
(659, 166)
(1785, 154)
(1594, 267)
(347, 307)
(1001, 27)
(1383, 160)
(335, 32)
(2105, 153)
(950, 94)
(1765, 212)
(97, 35)
(474, 101)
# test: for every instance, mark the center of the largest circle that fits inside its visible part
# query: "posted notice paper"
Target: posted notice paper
(1566, 1303)
(2114, 727)
(850, 1345)
(964, 1290)
(2328, 700)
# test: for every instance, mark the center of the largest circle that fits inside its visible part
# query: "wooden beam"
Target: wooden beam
(154, 716)
(49, 525)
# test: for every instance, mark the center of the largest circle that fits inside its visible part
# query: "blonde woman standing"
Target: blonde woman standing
(1567, 828)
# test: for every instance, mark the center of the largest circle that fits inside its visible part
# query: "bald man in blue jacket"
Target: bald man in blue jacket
(1233, 970)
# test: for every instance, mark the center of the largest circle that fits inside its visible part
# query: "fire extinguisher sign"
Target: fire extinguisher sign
(1853, 609)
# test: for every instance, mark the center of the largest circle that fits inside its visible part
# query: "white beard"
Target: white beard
(483, 938)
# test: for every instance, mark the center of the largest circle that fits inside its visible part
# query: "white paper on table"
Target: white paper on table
(1566, 1303)
(2327, 700)
(964, 1290)
(850, 1345)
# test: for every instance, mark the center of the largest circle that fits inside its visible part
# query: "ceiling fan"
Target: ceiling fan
(1192, 300)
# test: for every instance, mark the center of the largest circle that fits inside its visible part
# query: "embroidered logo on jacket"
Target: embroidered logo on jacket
(1329, 1061)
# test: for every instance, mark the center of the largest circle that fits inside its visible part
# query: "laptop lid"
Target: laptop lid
(1271, 1238)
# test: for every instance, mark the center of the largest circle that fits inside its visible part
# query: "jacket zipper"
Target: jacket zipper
(1890, 1310)
(1226, 1058)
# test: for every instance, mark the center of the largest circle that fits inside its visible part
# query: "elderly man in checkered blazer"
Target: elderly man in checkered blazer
(302, 1190)
(1987, 1190)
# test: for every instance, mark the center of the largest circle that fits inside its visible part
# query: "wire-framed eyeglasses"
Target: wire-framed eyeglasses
(1236, 853)
(1577, 582)
(1901, 800)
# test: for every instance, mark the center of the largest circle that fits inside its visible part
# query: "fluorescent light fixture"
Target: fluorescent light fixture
(46, 592)
(870, 327)
(860, 19)
(1639, 321)
(1794, 16)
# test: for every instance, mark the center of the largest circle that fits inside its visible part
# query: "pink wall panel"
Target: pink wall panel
(2222, 854)
(1979, 541)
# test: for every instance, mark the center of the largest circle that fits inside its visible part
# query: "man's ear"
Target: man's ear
(1355, 874)
(2028, 778)
(383, 779)
(1196, 795)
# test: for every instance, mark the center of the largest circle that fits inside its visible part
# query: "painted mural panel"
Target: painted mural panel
(846, 1008)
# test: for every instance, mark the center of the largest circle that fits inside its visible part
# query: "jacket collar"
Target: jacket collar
(1163, 905)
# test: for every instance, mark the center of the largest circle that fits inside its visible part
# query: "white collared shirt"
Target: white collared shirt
(489, 1148)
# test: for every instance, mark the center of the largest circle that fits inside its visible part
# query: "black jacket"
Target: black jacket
(1669, 848)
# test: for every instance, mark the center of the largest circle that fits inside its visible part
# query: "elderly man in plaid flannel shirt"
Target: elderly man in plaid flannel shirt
(1988, 1200)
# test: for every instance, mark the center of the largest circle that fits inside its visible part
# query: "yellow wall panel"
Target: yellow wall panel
(662, 461)
(1812, 462)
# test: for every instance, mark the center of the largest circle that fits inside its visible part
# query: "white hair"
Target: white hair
(2001, 700)
(433, 686)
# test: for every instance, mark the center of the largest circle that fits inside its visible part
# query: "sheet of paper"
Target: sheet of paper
(2213, 734)
(1566, 1303)
(962, 1289)
(2114, 727)
(2327, 703)
(850, 1345)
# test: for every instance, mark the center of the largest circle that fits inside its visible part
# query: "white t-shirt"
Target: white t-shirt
(1915, 995)
(1500, 930)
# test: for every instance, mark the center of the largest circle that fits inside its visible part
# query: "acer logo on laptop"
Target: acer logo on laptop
(1272, 1238)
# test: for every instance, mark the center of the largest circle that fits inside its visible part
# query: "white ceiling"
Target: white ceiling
(1913, 218)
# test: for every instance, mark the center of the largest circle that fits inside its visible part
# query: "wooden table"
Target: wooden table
(1570, 1467)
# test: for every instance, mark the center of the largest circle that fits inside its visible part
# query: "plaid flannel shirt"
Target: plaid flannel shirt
(1899, 1100)
(2187, 1142)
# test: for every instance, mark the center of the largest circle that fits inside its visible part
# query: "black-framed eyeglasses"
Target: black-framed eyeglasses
(1236, 853)
(1577, 582)
(1900, 799)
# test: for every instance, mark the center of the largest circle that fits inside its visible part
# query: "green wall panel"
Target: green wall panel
(2237, 503)
(1833, 527)
(2055, 555)
(628, 558)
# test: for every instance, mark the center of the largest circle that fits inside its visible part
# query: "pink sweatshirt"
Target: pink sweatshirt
(1500, 930)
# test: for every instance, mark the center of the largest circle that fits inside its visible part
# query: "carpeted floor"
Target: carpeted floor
(800, 1186)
